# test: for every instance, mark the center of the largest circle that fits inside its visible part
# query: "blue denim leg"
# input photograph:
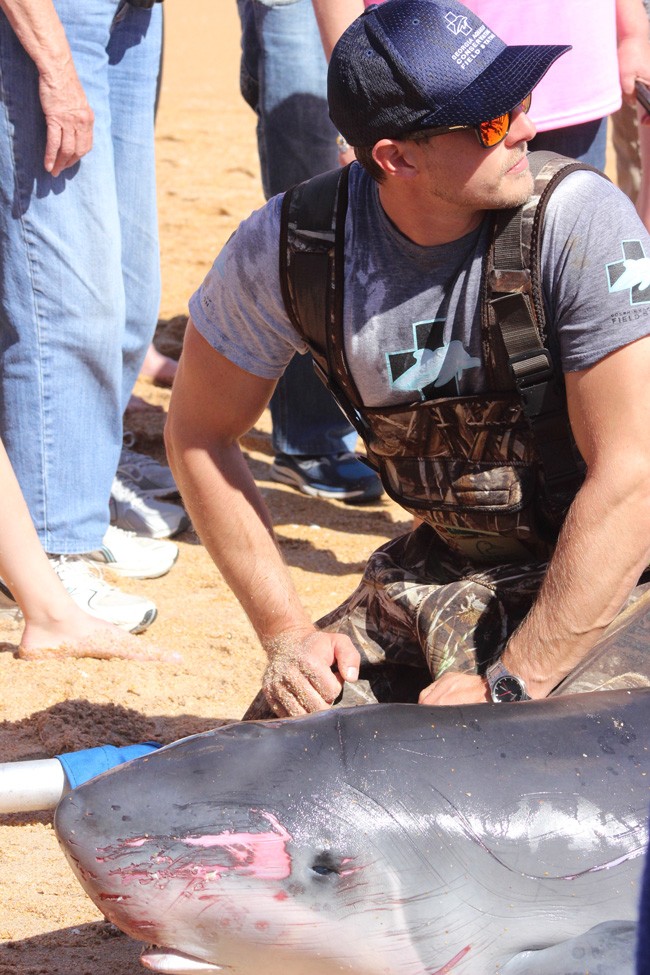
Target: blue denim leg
(283, 78)
(586, 142)
(62, 287)
(133, 69)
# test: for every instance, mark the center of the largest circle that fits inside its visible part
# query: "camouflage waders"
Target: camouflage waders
(419, 610)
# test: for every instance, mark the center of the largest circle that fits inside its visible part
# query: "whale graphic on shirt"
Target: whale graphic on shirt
(438, 366)
(635, 275)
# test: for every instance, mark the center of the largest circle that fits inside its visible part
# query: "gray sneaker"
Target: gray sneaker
(136, 511)
(145, 474)
(84, 582)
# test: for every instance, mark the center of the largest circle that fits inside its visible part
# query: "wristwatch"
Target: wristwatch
(504, 686)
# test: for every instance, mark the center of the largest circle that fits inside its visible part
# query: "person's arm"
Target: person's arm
(214, 402)
(68, 116)
(633, 40)
(333, 17)
(604, 545)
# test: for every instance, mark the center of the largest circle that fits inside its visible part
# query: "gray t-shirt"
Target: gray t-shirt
(412, 313)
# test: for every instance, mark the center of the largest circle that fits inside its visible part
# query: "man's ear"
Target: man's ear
(396, 158)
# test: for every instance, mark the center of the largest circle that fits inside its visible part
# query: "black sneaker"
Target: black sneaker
(343, 477)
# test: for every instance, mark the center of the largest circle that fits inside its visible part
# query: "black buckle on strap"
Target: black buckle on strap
(529, 368)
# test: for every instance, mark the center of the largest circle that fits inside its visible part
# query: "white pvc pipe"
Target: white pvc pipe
(31, 786)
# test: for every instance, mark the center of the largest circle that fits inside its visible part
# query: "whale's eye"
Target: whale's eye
(322, 870)
(325, 865)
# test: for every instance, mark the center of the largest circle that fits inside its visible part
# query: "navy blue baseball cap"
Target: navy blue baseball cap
(407, 65)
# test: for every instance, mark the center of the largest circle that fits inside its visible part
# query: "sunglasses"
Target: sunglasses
(489, 133)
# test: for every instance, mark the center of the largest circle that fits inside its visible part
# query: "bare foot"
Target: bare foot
(87, 637)
(158, 368)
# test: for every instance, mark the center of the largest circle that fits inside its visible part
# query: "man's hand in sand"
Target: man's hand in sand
(299, 678)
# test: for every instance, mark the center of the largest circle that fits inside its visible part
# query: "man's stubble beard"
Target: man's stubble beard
(504, 193)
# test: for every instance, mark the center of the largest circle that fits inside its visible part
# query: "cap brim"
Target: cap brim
(512, 75)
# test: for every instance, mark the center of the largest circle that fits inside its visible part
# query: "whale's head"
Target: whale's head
(387, 840)
(249, 848)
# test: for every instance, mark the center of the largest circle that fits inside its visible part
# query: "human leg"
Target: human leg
(158, 368)
(284, 80)
(62, 304)
(306, 420)
(55, 626)
(134, 59)
(61, 299)
(134, 54)
(296, 140)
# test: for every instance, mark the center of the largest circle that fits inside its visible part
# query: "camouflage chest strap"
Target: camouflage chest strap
(312, 245)
(513, 302)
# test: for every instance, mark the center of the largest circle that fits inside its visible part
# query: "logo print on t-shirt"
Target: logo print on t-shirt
(632, 273)
(431, 367)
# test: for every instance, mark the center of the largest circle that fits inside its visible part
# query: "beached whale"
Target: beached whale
(380, 840)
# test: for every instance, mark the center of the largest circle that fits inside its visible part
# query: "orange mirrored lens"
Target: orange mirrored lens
(494, 131)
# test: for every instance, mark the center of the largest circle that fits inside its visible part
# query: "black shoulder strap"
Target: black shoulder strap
(312, 256)
(307, 237)
(516, 306)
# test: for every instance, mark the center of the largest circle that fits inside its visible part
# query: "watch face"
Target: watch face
(507, 688)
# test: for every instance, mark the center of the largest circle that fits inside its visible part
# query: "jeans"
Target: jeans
(586, 142)
(283, 78)
(79, 269)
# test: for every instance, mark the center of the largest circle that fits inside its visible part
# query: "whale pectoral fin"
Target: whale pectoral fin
(171, 962)
(607, 949)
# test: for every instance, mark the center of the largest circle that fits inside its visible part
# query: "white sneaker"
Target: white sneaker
(135, 511)
(85, 584)
(143, 473)
(134, 556)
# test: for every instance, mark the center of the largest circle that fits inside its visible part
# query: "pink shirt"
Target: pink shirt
(583, 84)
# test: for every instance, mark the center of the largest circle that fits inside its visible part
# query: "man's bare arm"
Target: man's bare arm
(214, 402)
(604, 545)
(605, 542)
(68, 116)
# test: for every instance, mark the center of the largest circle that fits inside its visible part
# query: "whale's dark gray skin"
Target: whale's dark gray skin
(380, 840)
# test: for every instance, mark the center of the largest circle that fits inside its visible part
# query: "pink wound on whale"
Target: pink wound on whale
(452, 962)
(261, 855)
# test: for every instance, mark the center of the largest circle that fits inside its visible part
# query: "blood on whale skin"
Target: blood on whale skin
(382, 840)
